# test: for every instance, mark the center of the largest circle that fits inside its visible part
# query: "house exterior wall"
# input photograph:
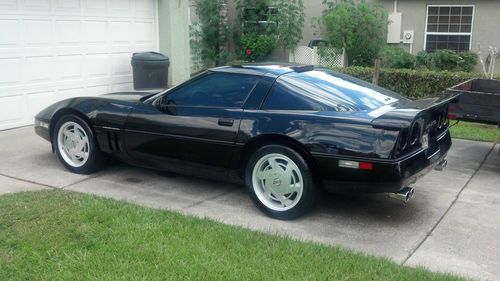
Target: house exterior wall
(173, 25)
(312, 9)
(486, 21)
(485, 29)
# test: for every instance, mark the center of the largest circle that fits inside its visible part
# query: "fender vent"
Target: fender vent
(113, 141)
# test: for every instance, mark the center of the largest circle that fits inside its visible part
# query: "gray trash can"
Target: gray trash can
(150, 70)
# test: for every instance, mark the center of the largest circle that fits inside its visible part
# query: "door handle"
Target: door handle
(226, 122)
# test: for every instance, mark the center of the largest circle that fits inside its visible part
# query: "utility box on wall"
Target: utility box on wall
(394, 28)
(408, 36)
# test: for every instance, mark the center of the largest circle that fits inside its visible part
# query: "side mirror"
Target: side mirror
(167, 105)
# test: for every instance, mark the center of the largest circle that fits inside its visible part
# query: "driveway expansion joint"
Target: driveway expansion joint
(429, 233)
(80, 181)
(28, 181)
(208, 199)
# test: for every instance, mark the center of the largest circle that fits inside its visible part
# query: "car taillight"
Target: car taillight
(403, 140)
(442, 120)
(415, 133)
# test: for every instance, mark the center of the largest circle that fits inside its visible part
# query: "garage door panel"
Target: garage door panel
(68, 32)
(121, 7)
(95, 32)
(38, 69)
(71, 6)
(121, 64)
(143, 32)
(95, 7)
(37, 32)
(120, 32)
(96, 65)
(38, 101)
(36, 5)
(13, 109)
(10, 72)
(69, 93)
(144, 8)
(122, 87)
(55, 49)
(69, 67)
(9, 32)
(8, 4)
(97, 90)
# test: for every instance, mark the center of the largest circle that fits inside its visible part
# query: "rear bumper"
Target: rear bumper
(387, 175)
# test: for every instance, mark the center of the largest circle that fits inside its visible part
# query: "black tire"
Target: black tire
(309, 190)
(96, 158)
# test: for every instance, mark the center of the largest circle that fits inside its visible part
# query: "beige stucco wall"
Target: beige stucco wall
(486, 22)
(312, 9)
(173, 23)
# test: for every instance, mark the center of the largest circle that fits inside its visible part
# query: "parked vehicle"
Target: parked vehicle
(479, 101)
(286, 131)
(317, 43)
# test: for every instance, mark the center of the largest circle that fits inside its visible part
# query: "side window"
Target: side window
(214, 90)
(284, 97)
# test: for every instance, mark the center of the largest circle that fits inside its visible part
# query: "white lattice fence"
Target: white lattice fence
(327, 57)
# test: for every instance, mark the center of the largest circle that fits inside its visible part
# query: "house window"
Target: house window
(449, 27)
(259, 19)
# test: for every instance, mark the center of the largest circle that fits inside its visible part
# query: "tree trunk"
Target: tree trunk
(376, 71)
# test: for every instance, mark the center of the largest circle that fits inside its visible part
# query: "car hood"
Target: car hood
(128, 96)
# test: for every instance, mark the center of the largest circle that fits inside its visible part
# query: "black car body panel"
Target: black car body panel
(214, 141)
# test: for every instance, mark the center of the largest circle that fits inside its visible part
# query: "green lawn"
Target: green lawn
(475, 131)
(58, 235)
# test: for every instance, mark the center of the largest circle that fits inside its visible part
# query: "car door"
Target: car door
(191, 129)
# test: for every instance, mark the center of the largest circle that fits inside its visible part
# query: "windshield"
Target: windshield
(340, 92)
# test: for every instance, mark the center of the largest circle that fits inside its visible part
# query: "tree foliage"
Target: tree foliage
(255, 47)
(211, 34)
(358, 27)
(289, 20)
(396, 57)
(253, 34)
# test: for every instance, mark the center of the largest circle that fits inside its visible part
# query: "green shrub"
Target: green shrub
(412, 83)
(447, 60)
(358, 27)
(395, 57)
(255, 47)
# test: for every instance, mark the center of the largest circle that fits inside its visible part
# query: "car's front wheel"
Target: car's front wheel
(76, 146)
(279, 182)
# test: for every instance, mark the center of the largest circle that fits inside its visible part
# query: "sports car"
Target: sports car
(287, 132)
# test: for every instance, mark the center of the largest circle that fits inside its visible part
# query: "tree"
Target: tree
(210, 35)
(358, 28)
(289, 20)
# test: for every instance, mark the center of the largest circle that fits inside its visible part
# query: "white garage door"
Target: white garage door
(55, 49)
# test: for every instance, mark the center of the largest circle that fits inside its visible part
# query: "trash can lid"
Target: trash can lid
(149, 56)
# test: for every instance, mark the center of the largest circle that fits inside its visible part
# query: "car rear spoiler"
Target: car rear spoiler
(404, 113)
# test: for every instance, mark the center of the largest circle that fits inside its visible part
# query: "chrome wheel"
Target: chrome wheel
(277, 182)
(73, 144)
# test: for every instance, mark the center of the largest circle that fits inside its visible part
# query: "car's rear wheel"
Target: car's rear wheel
(279, 182)
(76, 146)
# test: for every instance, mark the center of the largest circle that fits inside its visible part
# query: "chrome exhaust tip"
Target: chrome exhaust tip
(404, 194)
(441, 165)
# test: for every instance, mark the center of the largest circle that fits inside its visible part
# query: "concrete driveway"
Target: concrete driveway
(452, 224)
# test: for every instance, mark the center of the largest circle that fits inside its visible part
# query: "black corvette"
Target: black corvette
(285, 131)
